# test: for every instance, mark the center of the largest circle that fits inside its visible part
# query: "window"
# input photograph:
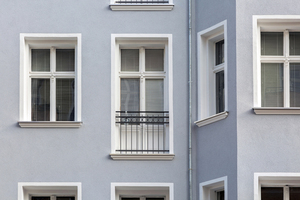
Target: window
(142, 191)
(212, 65)
(141, 4)
(49, 191)
(142, 96)
(276, 186)
(50, 80)
(214, 189)
(276, 65)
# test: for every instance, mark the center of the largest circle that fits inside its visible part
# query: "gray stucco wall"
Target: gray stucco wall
(82, 155)
(266, 143)
(216, 144)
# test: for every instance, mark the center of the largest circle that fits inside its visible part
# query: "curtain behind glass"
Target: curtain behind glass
(154, 59)
(130, 94)
(295, 85)
(65, 59)
(271, 193)
(65, 100)
(40, 60)
(271, 43)
(294, 43)
(40, 100)
(130, 60)
(272, 85)
(154, 95)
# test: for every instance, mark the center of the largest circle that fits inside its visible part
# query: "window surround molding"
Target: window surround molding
(273, 179)
(42, 40)
(27, 189)
(128, 189)
(275, 23)
(206, 73)
(135, 40)
(143, 7)
(208, 188)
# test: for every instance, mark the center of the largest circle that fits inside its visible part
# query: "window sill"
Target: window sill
(212, 119)
(167, 7)
(276, 111)
(42, 124)
(166, 157)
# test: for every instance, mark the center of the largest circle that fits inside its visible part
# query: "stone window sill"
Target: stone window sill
(48, 124)
(276, 111)
(212, 119)
(161, 157)
(142, 7)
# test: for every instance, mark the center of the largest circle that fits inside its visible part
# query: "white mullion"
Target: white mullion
(142, 79)
(52, 85)
(286, 71)
(286, 193)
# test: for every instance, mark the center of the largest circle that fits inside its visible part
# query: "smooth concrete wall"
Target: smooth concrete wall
(266, 143)
(82, 155)
(216, 144)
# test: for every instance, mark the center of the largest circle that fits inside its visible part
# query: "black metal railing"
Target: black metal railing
(142, 1)
(143, 132)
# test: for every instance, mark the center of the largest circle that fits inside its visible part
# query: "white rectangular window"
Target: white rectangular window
(276, 65)
(50, 80)
(215, 189)
(142, 95)
(212, 77)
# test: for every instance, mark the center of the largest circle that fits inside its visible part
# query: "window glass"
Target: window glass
(65, 100)
(220, 52)
(271, 193)
(130, 94)
(272, 84)
(272, 43)
(40, 99)
(294, 193)
(294, 43)
(130, 60)
(40, 60)
(65, 59)
(220, 195)
(220, 94)
(154, 94)
(65, 198)
(154, 59)
(40, 198)
(295, 84)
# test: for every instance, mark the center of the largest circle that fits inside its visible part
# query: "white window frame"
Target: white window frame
(137, 40)
(151, 6)
(36, 40)
(207, 70)
(208, 189)
(273, 23)
(28, 189)
(140, 190)
(283, 180)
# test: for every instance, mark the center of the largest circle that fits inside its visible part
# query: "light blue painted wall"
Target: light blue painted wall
(82, 155)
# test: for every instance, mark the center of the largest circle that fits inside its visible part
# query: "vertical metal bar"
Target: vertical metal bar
(137, 137)
(126, 135)
(131, 136)
(158, 135)
(153, 133)
(120, 127)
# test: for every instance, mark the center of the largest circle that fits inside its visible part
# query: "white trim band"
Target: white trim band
(166, 157)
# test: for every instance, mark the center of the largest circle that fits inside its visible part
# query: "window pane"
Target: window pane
(272, 85)
(65, 100)
(154, 94)
(155, 198)
(40, 100)
(295, 85)
(130, 60)
(294, 193)
(154, 59)
(271, 193)
(272, 43)
(40, 198)
(40, 60)
(219, 52)
(65, 198)
(130, 94)
(65, 59)
(220, 94)
(130, 198)
(294, 43)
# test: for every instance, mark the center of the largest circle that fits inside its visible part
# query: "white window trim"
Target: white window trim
(273, 180)
(117, 6)
(142, 189)
(25, 189)
(273, 23)
(38, 39)
(140, 38)
(206, 80)
(208, 188)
